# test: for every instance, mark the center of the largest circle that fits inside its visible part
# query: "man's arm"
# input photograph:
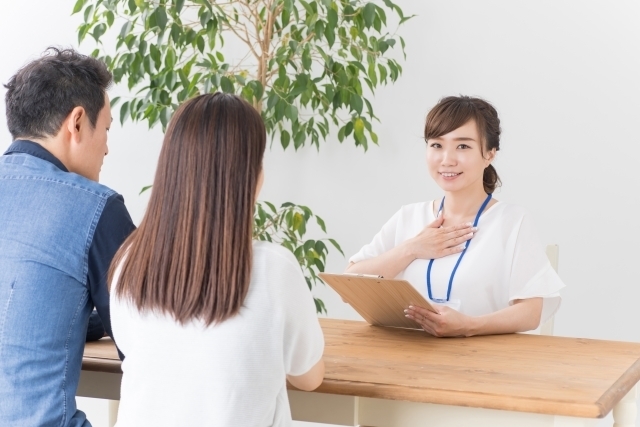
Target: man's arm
(114, 226)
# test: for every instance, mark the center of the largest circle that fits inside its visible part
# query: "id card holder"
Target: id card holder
(452, 303)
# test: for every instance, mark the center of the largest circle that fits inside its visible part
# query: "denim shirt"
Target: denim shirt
(58, 233)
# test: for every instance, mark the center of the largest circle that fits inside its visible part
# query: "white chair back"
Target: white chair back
(552, 253)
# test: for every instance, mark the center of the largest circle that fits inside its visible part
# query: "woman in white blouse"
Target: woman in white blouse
(478, 260)
(210, 323)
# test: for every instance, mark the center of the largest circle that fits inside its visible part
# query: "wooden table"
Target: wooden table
(392, 378)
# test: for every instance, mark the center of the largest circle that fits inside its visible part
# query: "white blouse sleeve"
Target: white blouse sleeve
(382, 242)
(303, 337)
(532, 275)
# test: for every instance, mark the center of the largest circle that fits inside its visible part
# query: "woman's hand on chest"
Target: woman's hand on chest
(435, 241)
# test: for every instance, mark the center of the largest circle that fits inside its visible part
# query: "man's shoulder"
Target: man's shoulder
(115, 218)
(86, 184)
(23, 166)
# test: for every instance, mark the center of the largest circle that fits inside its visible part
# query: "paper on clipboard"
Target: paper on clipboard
(379, 301)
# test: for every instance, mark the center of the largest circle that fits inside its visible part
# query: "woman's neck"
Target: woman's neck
(463, 203)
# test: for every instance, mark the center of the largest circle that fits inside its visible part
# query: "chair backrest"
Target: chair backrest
(552, 253)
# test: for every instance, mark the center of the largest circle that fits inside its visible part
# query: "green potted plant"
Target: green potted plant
(309, 67)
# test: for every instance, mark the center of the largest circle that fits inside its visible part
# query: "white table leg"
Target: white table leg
(353, 411)
(101, 385)
(560, 421)
(114, 405)
(394, 413)
(324, 408)
(626, 411)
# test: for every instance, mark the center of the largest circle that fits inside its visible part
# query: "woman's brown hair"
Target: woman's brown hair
(191, 255)
(454, 111)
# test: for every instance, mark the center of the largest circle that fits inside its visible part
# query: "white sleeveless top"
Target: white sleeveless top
(504, 261)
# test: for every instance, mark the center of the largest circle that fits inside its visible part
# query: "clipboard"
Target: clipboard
(380, 301)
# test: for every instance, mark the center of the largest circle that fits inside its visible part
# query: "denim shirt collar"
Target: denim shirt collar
(36, 150)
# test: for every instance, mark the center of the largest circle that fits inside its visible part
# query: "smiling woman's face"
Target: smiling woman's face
(456, 161)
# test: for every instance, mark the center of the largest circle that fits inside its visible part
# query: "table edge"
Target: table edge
(435, 396)
(460, 398)
(598, 409)
(96, 364)
(620, 388)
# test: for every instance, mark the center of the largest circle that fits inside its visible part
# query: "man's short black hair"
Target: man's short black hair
(44, 92)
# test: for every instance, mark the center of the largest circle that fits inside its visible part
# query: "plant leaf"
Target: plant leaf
(145, 188)
(124, 110)
(226, 85)
(369, 14)
(78, 6)
(161, 17)
(337, 246)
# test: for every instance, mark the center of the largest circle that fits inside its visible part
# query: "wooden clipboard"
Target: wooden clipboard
(380, 301)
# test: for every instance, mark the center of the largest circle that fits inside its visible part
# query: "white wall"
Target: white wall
(564, 77)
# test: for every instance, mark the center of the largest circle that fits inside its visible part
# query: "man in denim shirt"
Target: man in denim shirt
(59, 230)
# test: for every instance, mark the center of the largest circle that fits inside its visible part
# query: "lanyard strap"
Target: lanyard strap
(466, 245)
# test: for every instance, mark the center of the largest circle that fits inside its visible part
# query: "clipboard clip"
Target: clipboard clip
(371, 276)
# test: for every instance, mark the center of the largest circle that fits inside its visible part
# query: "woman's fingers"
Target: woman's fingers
(421, 313)
(420, 321)
(465, 226)
(460, 231)
(460, 240)
(453, 250)
(428, 329)
(457, 237)
(425, 318)
(415, 309)
(446, 323)
(437, 223)
(435, 242)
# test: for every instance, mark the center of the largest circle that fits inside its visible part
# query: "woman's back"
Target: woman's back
(210, 322)
(232, 373)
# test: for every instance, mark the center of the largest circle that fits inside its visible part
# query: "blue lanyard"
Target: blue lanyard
(466, 245)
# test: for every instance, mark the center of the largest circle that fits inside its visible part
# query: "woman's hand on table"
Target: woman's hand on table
(435, 241)
(523, 315)
(446, 323)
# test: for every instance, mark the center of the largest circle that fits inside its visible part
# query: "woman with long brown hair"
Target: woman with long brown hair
(477, 260)
(210, 322)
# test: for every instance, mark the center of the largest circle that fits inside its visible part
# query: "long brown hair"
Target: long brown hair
(191, 255)
(454, 111)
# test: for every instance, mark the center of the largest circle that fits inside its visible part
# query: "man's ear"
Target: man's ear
(75, 123)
